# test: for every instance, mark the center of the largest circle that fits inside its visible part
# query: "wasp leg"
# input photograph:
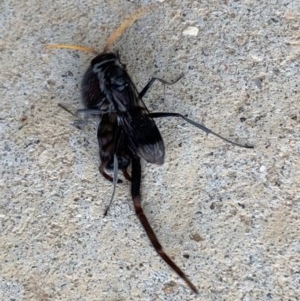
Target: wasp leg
(153, 79)
(127, 176)
(115, 180)
(197, 125)
(105, 174)
(136, 197)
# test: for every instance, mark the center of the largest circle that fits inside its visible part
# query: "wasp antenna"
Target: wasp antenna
(127, 22)
(72, 47)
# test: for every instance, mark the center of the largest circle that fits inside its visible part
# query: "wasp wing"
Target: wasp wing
(139, 126)
(150, 143)
(123, 99)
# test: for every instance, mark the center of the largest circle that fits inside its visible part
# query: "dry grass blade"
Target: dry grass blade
(72, 47)
(127, 22)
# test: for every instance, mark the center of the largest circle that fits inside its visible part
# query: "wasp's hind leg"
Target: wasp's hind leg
(105, 174)
(136, 197)
(126, 175)
(197, 125)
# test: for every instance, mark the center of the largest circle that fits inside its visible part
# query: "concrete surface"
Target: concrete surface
(228, 216)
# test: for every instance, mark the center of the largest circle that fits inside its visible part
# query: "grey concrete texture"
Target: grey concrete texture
(228, 216)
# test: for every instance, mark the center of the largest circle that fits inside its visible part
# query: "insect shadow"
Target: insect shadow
(127, 132)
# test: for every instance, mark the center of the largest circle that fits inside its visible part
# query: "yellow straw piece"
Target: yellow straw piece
(125, 24)
(72, 47)
(116, 34)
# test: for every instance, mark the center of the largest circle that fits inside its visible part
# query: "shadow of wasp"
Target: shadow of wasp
(127, 132)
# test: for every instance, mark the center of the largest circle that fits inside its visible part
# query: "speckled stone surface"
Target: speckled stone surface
(229, 217)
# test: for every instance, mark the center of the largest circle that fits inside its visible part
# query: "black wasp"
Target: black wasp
(127, 132)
